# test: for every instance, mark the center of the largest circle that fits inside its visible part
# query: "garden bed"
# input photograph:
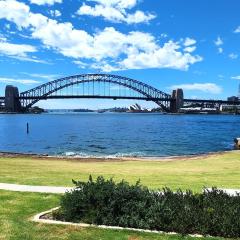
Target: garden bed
(47, 218)
(104, 203)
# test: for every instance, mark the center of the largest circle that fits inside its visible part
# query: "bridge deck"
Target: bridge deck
(129, 98)
(96, 96)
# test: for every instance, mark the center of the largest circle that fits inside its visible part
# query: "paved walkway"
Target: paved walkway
(38, 189)
(231, 192)
(59, 190)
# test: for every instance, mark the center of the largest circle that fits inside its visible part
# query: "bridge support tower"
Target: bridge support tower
(12, 103)
(177, 100)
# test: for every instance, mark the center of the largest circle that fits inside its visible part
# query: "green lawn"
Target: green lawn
(216, 170)
(17, 208)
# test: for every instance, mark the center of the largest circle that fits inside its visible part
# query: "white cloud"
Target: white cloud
(233, 55)
(16, 12)
(220, 50)
(203, 87)
(189, 42)
(48, 77)
(7, 26)
(55, 13)
(236, 77)
(237, 30)
(115, 10)
(108, 49)
(20, 50)
(80, 64)
(30, 59)
(218, 42)
(190, 49)
(2, 38)
(164, 35)
(139, 17)
(167, 56)
(118, 3)
(45, 2)
(21, 81)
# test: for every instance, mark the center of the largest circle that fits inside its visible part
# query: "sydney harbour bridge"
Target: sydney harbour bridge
(104, 86)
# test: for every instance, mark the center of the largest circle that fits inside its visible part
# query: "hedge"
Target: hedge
(104, 202)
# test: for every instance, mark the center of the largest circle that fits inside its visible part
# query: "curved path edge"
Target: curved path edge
(38, 219)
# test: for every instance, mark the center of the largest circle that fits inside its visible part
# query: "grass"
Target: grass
(221, 170)
(16, 208)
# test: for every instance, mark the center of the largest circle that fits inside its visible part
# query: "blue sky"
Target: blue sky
(165, 43)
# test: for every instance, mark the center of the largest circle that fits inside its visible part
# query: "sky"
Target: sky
(169, 44)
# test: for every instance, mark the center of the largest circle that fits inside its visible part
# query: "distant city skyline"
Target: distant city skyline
(168, 44)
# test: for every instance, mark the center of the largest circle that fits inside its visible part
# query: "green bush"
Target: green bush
(105, 202)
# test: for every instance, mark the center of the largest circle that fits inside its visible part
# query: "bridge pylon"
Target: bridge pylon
(177, 100)
(12, 102)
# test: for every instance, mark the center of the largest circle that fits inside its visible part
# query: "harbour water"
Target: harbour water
(118, 134)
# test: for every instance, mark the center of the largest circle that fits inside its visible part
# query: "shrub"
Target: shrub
(105, 202)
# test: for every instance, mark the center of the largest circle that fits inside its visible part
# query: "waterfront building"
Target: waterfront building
(230, 108)
(233, 99)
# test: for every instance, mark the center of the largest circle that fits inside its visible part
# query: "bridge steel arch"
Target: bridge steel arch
(32, 96)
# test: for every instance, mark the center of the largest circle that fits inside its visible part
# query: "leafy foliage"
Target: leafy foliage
(105, 202)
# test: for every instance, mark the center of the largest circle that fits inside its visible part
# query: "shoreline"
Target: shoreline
(114, 159)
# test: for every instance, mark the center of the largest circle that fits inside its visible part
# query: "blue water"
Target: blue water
(118, 134)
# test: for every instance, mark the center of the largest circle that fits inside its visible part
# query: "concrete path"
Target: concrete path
(231, 192)
(59, 190)
(38, 189)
